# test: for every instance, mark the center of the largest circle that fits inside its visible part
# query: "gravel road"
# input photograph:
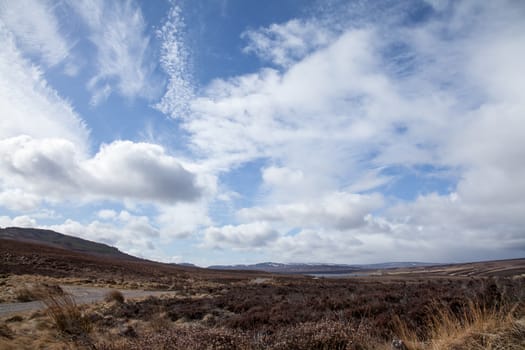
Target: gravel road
(82, 295)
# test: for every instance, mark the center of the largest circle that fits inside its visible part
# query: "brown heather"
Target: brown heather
(472, 306)
(336, 314)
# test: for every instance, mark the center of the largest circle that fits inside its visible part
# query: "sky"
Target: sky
(242, 131)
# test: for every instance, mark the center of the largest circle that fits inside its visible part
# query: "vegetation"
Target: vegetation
(38, 292)
(25, 294)
(65, 313)
(53, 238)
(115, 296)
(475, 306)
(330, 314)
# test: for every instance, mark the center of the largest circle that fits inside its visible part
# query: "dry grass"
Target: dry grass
(37, 292)
(476, 327)
(25, 294)
(115, 296)
(5, 331)
(64, 325)
(290, 314)
(22, 288)
(66, 315)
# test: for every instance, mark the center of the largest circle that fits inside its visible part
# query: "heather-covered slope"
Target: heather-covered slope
(59, 240)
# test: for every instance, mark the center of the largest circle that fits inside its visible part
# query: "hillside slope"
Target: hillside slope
(59, 240)
(29, 258)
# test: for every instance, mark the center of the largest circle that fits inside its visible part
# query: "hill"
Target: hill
(50, 254)
(59, 240)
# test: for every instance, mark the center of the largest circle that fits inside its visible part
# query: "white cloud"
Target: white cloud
(18, 200)
(107, 214)
(333, 104)
(318, 246)
(149, 173)
(333, 119)
(285, 44)
(18, 221)
(28, 105)
(282, 177)
(135, 235)
(37, 29)
(346, 103)
(183, 220)
(174, 61)
(256, 234)
(118, 33)
(337, 210)
(123, 170)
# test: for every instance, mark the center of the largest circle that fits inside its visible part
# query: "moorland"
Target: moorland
(461, 306)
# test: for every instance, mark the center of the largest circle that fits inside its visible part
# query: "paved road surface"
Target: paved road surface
(82, 295)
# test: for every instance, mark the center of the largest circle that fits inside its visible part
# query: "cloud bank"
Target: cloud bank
(329, 150)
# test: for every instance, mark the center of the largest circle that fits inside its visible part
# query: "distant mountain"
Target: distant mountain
(59, 240)
(317, 268)
(185, 264)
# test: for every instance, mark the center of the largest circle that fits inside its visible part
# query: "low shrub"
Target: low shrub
(66, 314)
(5, 332)
(38, 292)
(115, 295)
(24, 295)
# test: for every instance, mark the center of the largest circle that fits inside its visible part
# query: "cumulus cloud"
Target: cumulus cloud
(342, 103)
(122, 170)
(129, 231)
(379, 96)
(18, 221)
(183, 220)
(149, 173)
(118, 33)
(255, 234)
(134, 234)
(319, 246)
(107, 214)
(337, 210)
(18, 200)
(332, 100)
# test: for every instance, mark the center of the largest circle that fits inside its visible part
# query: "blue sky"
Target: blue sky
(225, 131)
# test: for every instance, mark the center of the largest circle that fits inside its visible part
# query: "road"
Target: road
(82, 295)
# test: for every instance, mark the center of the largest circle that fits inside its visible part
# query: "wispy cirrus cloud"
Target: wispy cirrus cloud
(287, 43)
(175, 62)
(29, 105)
(37, 29)
(118, 32)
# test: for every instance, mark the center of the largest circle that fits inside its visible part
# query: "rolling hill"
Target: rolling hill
(59, 240)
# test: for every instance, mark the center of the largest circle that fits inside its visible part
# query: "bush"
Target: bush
(5, 332)
(116, 296)
(66, 315)
(38, 292)
(24, 295)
